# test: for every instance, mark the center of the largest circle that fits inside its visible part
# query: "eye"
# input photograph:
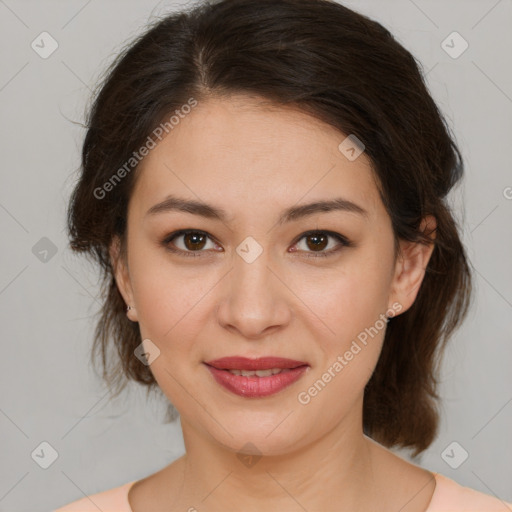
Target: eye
(319, 240)
(192, 242)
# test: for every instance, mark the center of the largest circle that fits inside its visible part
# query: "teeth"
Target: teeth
(259, 373)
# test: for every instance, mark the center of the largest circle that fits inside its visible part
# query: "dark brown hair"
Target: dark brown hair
(338, 66)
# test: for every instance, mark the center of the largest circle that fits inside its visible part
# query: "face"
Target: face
(254, 284)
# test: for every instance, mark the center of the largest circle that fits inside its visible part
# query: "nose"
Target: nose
(254, 300)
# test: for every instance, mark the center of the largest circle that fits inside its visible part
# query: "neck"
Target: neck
(339, 464)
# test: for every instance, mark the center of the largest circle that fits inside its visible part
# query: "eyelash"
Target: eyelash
(344, 242)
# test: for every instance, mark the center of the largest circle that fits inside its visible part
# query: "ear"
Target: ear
(410, 266)
(122, 276)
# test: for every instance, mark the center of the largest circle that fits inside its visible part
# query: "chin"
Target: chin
(258, 433)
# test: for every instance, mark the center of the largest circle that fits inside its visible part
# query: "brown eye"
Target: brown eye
(194, 241)
(317, 241)
(187, 242)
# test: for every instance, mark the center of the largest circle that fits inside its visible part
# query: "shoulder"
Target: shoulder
(112, 500)
(450, 496)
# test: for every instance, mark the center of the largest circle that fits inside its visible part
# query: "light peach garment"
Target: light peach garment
(449, 496)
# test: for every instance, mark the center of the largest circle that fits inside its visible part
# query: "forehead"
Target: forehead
(248, 152)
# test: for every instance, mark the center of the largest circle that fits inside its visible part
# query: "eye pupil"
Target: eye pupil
(195, 239)
(316, 244)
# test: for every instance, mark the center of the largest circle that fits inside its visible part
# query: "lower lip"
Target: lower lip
(254, 386)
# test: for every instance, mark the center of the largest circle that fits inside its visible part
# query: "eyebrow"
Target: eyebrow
(174, 203)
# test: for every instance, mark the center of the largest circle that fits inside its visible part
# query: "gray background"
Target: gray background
(49, 392)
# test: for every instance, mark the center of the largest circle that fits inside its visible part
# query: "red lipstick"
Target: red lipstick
(268, 375)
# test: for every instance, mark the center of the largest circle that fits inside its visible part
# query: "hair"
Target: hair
(338, 66)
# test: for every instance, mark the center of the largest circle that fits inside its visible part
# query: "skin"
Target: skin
(254, 161)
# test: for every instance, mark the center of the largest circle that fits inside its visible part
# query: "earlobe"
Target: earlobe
(122, 277)
(411, 266)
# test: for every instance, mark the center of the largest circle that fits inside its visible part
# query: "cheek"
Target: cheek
(170, 298)
(353, 307)
(353, 351)
(351, 303)
(158, 290)
(346, 300)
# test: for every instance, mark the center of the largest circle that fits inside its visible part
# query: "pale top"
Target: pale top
(449, 496)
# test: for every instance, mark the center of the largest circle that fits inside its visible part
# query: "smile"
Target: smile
(256, 378)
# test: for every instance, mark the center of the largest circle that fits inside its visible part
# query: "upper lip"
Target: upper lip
(262, 363)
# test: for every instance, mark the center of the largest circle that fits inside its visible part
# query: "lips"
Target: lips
(256, 378)
(262, 363)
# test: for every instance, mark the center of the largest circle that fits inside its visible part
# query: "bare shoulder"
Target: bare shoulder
(456, 497)
(107, 501)
(435, 491)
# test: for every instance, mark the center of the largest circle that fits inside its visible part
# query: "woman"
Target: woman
(264, 186)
